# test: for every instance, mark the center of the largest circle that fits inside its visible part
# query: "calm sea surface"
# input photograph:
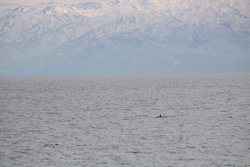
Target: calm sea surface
(111, 121)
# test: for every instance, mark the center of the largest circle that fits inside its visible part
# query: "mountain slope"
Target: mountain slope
(101, 37)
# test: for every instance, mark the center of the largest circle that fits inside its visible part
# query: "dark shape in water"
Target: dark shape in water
(160, 116)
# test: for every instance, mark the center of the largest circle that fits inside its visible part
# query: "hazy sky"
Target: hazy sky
(9, 4)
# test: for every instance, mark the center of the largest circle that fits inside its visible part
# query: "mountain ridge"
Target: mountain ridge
(177, 28)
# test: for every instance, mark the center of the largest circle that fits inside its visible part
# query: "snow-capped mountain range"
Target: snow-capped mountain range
(126, 36)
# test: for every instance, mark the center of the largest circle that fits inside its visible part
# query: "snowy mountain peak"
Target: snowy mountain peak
(132, 27)
(123, 16)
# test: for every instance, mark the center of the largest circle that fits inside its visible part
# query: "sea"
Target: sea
(187, 120)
